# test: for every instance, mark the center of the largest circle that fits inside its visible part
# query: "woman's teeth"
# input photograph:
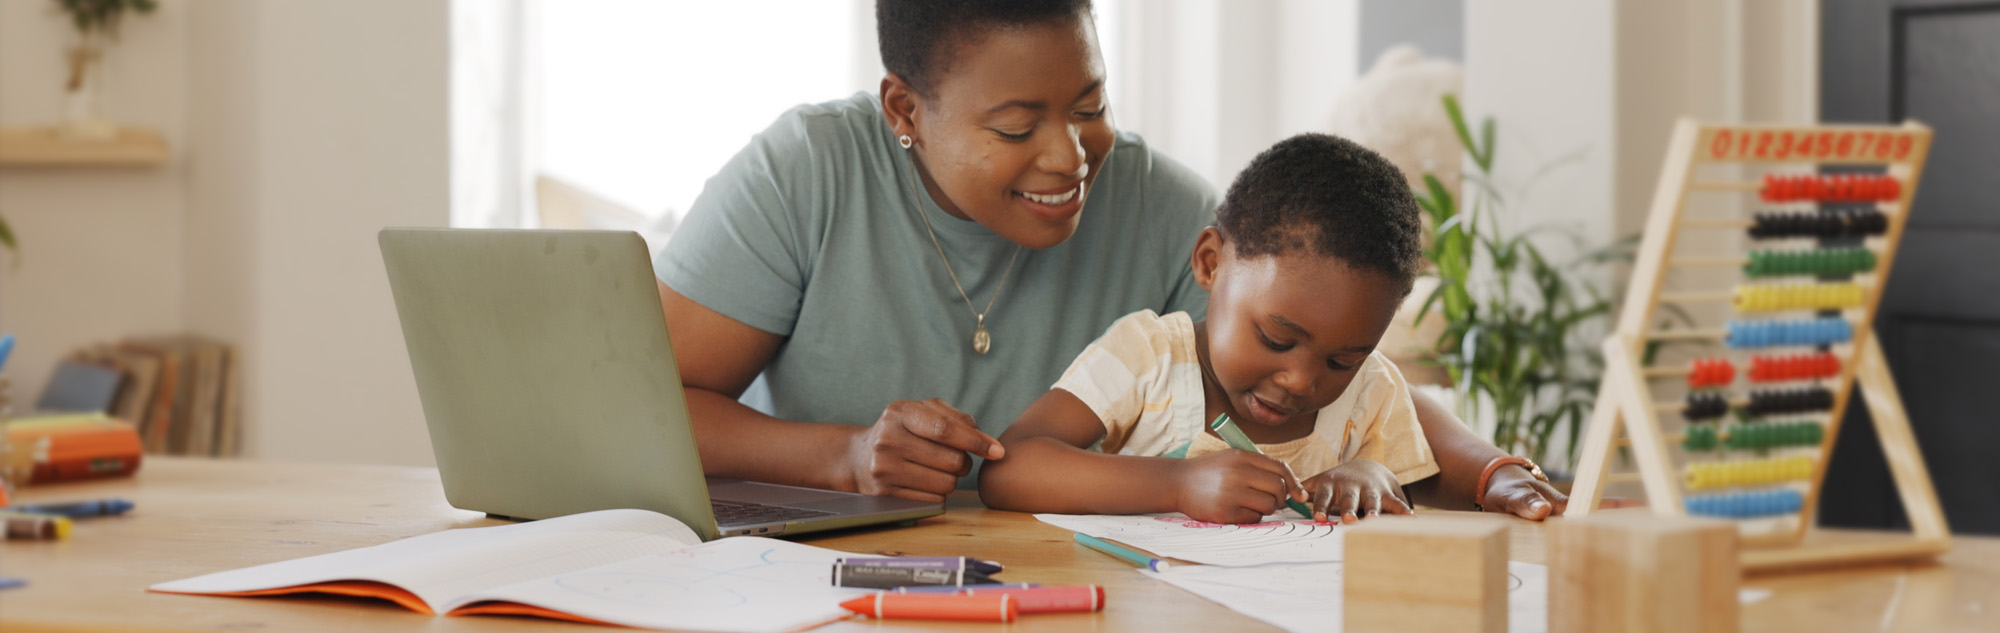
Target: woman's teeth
(1061, 198)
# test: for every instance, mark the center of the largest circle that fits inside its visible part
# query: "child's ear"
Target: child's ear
(1207, 257)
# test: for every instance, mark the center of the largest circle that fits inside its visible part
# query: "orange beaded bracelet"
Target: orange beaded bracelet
(1486, 476)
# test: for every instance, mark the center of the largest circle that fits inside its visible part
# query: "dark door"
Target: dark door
(1938, 63)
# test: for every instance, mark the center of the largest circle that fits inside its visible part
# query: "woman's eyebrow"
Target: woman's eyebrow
(1039, 106)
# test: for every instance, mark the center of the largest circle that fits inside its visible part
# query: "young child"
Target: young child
(1314, 247)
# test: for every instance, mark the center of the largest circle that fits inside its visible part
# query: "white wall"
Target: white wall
(1544, 70)
(1607, 79)
(318, 123)
(101, 248)
(300, 128)
(1213, 83)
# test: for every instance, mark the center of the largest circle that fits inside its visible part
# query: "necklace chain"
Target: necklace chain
(981, 340)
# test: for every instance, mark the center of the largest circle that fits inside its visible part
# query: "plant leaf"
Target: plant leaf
(1486, 144)
(1451, 110)
(7, 239)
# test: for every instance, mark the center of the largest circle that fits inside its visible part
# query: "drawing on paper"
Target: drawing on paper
(1275, 539)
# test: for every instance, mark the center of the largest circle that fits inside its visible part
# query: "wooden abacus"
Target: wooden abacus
(1835, 289)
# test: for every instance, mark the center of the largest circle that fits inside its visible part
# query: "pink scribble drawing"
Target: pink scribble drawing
(1192, 523)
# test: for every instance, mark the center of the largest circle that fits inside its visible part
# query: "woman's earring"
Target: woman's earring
(905, 141)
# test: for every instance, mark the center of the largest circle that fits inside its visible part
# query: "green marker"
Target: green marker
(1237, 440)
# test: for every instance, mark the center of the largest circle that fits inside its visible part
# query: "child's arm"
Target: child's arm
(1049, 468)
(1461, 456)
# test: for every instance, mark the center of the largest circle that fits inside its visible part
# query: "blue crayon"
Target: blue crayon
(79, 509)
(6, 348)
(10, 583)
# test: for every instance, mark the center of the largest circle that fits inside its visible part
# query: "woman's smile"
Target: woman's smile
(1053, 206)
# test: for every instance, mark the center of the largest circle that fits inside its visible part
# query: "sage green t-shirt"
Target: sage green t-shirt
(811, 233)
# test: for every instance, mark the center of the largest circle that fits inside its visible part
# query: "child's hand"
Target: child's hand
(1356, 488)
(1233, 486)
(1513, 491)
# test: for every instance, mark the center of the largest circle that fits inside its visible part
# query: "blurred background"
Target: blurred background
(264, 142)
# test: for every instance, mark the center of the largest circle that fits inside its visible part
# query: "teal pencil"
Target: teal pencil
(1127, 555)
(1237, 440)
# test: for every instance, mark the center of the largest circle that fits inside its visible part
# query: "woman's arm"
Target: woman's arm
(1049, 469)
(915, 450)
(1461, 456)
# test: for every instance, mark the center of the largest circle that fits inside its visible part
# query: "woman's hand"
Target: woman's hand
(1514, 491)
(918, 450)
(1354, 489)
(1233, 486)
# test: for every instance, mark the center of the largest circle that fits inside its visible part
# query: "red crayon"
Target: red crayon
(920, 606)
(1063, 599)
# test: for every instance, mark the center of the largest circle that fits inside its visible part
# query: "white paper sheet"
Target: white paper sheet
(442, 566)
(629, 567)
(734, 585)
(1307, 597)
(1277, 539)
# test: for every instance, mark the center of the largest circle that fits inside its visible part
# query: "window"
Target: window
(642, 101)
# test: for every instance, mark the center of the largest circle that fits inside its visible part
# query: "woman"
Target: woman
(870, 270)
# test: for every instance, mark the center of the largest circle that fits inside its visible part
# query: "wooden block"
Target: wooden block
(1635, 572)
(1425, 575)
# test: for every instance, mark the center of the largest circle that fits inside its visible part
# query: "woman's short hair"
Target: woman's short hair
(918, 36)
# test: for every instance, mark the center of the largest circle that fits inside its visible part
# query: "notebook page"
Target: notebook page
(442, 566)
(734, 585)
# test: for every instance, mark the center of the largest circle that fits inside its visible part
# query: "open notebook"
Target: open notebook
(632, 568)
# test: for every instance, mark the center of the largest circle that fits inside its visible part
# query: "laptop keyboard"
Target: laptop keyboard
(734, 513)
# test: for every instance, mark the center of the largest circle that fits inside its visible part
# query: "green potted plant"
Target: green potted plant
(7, 239)
(1517, 330)
(96, 24)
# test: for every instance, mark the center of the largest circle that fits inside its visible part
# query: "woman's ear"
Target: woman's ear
(899, 105)
(1207, 257)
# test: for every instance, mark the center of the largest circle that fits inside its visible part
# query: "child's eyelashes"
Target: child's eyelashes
(1274, 345)
(1021, 136)
(1332, 363)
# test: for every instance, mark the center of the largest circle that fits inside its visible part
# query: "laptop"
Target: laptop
(549, 386)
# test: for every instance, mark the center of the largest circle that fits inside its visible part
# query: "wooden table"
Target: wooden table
(195, 517)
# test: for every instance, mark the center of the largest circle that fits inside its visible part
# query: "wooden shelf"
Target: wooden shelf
(43, 147)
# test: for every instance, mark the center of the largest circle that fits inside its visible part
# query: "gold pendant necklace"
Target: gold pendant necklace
(981, 340)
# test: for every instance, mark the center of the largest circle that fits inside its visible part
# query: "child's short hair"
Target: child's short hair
(1331, 197)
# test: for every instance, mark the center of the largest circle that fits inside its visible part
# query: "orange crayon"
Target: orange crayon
(1063, 599)
(920, 606)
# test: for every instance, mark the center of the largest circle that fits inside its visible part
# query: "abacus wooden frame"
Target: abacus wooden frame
(1624, 403)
